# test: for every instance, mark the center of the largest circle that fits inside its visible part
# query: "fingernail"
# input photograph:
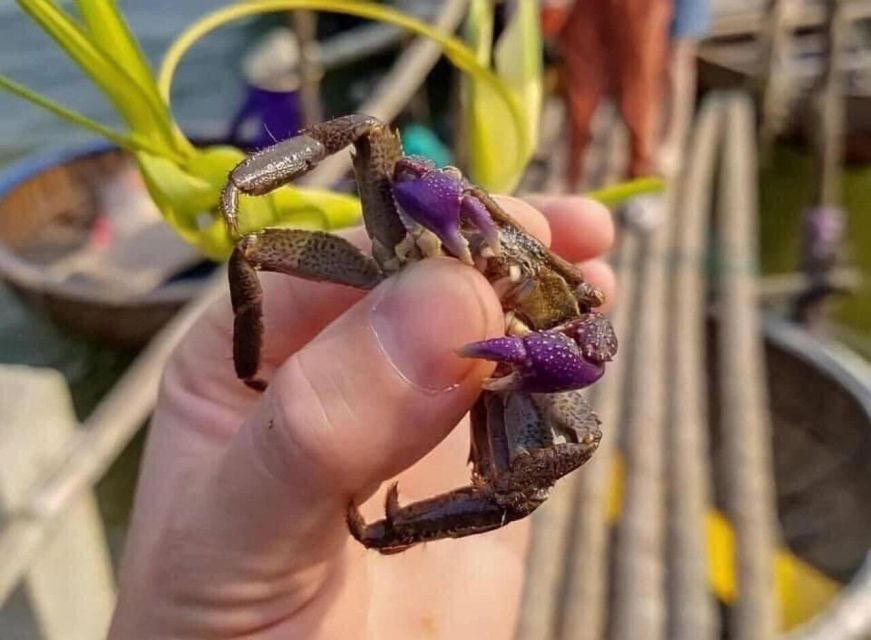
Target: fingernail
(424, 315)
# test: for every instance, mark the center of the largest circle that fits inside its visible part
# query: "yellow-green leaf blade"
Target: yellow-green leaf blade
(129, 141)
(141, 113)
(518, 61)
(615, 194)
(497, 151)
(109, 31)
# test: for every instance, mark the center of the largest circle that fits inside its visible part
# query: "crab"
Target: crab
(530, 426)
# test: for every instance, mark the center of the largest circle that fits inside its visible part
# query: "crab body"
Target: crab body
(530, 426)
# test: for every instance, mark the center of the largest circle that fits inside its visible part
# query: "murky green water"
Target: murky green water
(786, 188)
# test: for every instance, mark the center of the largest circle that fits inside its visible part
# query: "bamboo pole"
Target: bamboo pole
(548, 545)
(692, 609)
(305, 27)
(749, 22)
(584, 604)
(639, 605)
(829, 104)
(546, 564)
(744, 421)
(123, 411)
(773, 82)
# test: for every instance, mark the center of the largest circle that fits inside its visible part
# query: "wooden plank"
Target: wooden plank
(748, 22)
(70, 584)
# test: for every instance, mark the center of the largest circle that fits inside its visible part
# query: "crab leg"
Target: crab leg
(313, 255)
(521, 444)
(378, 149)
(462, 512)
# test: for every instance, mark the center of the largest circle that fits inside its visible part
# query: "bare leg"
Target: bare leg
(313, 255)
(584, 46)
(640, 29)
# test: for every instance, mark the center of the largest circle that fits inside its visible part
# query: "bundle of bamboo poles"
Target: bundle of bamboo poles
(639, 569)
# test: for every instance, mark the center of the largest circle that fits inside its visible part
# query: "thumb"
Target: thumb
(368, 397)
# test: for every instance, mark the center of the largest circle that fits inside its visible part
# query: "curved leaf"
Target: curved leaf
(454, 50)
(145, 114)
(518, 65)
(128, 141)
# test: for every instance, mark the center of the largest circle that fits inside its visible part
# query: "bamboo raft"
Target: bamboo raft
(688, 424)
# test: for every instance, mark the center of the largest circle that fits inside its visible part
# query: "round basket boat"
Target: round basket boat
(820, 397)
(49, 205)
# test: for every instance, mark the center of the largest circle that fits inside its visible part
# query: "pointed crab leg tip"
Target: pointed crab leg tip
(492, 248)
(356, 523)
(391, 502)
(464, 255)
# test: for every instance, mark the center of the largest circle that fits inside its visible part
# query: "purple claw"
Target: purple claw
(508, 349)
(434, 198)
(475, 212)
(595, 335)
(540, 362)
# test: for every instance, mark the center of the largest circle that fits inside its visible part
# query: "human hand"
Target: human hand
(239, 526)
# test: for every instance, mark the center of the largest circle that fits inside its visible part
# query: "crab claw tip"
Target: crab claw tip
(458, 247)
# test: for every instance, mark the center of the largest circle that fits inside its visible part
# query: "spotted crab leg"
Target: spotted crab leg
(313, 255)
(377, 150)
(521, 444)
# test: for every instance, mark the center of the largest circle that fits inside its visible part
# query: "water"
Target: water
(206, 91)
(786, 188)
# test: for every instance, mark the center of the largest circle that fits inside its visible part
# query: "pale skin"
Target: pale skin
(239, 523)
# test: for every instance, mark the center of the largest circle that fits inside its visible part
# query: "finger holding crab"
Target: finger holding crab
(412, 211)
